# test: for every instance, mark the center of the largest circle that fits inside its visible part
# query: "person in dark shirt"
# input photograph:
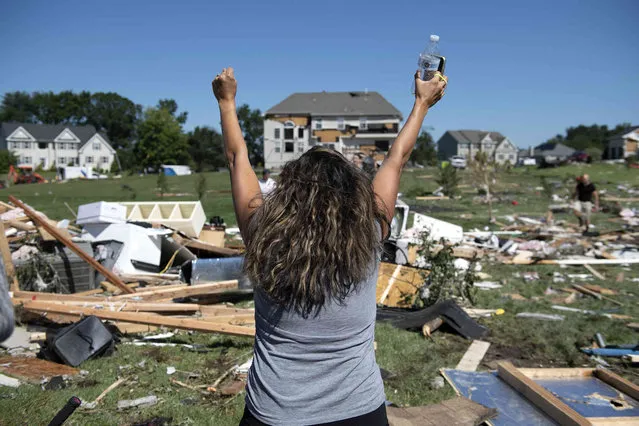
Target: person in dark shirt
(583, 195)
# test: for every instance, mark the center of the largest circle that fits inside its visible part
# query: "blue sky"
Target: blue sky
(526, 69)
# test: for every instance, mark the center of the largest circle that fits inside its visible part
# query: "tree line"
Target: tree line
(591, 139)
(142, 137)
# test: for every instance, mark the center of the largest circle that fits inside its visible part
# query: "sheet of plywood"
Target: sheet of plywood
(458, 411)
(398, 284)
(33, 369)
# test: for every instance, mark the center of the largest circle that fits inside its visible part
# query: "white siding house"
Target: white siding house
(467, 143)
(57, 145)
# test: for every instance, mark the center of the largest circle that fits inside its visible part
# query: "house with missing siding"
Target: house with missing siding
(349, 122)
(467, 143)
(623, 145)
(58, 145)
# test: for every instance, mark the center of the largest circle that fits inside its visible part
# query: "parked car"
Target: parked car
(458, 162)
(527, 161)
(579, 157)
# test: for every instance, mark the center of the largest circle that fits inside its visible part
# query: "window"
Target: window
(340, 123)
(318, 124)
(331, 145)
(62, 161)
(500, 157)
(26, 145)
(277, 147)
(336, 138)
(104, 160)
(300, 147)
(96, 146)
(363, 123)
(300, 133)
(88, 160)
(27, 160)
(276, 134)
(511, 157)
(43, 161)
(288, 134)
(42, 145)
(289, 147)
(70, 145)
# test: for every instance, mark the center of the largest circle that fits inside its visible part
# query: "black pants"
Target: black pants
(374, 418)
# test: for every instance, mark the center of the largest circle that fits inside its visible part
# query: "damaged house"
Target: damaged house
(349, 122)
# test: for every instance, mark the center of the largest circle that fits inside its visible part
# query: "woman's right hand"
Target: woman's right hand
(225, 86)
(428, 93)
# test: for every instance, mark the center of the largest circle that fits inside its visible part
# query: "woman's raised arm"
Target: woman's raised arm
(244, 184)
(386, 182)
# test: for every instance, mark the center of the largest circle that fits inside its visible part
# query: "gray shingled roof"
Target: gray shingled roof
(336, 103)
(48, 132)
(474, 136)
(553, 149)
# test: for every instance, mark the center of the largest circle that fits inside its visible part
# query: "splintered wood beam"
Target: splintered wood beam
(540, 397)
(110, 276)
(594, 272)
(143, 318)
(127, 306)
(8, 262)
(37, 296)
(184, 291)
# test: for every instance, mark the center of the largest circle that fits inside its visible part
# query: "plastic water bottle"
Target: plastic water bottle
(428, 63)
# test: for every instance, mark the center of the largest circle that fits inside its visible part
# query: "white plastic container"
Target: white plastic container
(101, 212)
(185, 216)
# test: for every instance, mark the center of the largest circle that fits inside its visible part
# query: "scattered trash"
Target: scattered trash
(437, 383)
(534, 315)
(147, 401)
(170, 370)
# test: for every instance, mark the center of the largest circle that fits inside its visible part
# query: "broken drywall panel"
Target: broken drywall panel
(488, 390)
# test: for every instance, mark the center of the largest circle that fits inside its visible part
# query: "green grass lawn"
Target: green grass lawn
(413, 360)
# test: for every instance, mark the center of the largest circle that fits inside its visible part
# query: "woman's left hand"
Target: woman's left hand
(224, 85)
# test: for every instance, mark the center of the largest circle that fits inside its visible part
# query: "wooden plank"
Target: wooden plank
(595, 294)
(556, 373)
(185, 291)
(33, 369)
(89, 292)
(588, 262)
(149, 277)
(214, 310)
(594, 272)
(540, 397)
(601, 290)
(35, 295)
(453, 412)
(618, 382)
(110, 276)
(614, 421)
(144, 318)
(201, 245)
(473, 356)
(20, 225)
(128, 306)
(8, 262)
(633, 325)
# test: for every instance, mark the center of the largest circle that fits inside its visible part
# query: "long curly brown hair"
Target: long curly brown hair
(316, 235)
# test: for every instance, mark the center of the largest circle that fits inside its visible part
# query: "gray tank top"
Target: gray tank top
(319, 369)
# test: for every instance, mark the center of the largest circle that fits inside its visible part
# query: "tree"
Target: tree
(171, 106)
(448, 180)
(200, 186)
(7, 159)
(17, 106)
(425, 152)
(252, 126)
(484, 173)
(582, 137)
(160, 141)
(114, 115)
(206, 148)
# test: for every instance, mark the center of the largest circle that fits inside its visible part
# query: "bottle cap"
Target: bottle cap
(434, 37)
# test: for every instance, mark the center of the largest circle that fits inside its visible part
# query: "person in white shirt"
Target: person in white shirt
(266, 183)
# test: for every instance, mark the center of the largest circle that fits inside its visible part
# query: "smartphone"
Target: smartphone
(442, 64)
